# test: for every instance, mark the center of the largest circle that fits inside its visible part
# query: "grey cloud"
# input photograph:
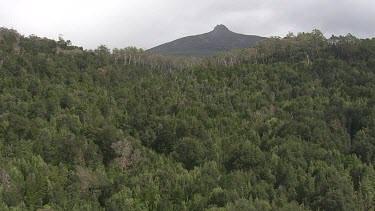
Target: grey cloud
(148, 23)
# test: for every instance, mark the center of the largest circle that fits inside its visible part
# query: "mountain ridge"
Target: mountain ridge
(220, 39)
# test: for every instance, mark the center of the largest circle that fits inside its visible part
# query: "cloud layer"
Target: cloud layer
(148, 23)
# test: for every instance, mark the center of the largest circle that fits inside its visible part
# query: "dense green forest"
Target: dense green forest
(286, 125)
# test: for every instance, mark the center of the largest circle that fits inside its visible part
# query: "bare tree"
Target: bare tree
(126, 154)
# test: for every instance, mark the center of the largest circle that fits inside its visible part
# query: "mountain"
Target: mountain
(218, 40)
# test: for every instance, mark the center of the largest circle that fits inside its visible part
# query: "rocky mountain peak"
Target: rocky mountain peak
(220, 27)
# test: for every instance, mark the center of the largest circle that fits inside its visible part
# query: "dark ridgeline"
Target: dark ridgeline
(219, 40)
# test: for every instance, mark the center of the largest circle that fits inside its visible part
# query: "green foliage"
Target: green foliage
(287, 125)
(190, 152)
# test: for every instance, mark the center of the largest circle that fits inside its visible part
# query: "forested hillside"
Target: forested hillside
(286, 125)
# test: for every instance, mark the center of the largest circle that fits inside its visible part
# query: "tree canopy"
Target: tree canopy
(286, 125)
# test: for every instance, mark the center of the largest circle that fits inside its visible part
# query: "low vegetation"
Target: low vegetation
(286, 125)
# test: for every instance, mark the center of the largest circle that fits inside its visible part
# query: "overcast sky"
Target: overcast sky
(147, 23)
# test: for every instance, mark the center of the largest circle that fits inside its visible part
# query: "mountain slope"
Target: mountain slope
(126, 130)
(219, 40)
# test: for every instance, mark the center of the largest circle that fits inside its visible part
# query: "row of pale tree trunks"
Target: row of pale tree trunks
(304, 47)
